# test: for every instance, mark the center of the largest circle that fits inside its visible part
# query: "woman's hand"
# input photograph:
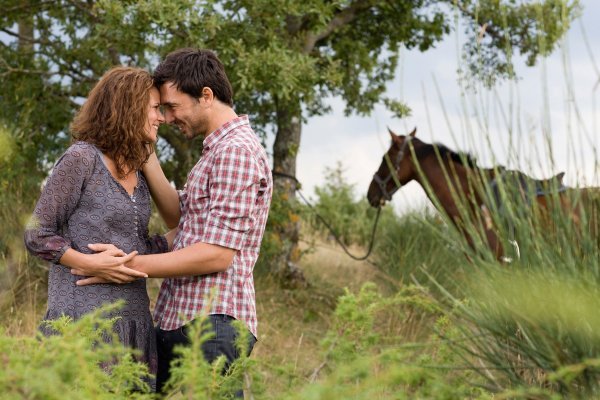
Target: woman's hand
(107, 265)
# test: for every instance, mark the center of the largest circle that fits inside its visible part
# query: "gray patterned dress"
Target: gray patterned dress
(82, 203)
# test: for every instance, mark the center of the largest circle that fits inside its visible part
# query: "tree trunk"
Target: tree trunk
(285, 150)
(25, 28)
(185, 155)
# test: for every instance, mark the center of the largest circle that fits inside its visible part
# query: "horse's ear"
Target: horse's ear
(392, 134)
(559, 177)
(413, 133)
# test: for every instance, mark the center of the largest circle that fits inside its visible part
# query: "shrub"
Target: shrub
(366, 357)
(68, 365)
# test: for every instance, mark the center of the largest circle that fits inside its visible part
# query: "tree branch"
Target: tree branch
(8, 69)
(484, 28)
(177, 33)
(28, 39)
(27, 6)
(344, 17)
(86, 8)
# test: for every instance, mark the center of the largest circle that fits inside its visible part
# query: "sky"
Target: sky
(551, 116)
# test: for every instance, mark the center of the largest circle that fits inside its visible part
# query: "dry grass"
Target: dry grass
(22, 295)
(292, 323)
(327, 263)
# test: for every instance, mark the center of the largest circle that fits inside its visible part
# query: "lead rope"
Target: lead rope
(357, 258)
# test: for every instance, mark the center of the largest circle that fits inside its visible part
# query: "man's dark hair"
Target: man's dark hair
(193, 69)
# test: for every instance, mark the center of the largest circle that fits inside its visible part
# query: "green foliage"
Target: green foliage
(193, 375)
(368, 357)
(535, 329)
(84, 360)
(351, 220)
(280, 54)
(352, 330)
(418, 246)
(19, 186)
(533, 29)
(69, 365)
(20, 275)
(408, 248)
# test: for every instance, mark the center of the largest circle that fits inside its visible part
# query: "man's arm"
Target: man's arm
(196, 259)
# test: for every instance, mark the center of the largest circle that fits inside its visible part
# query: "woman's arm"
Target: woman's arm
(170, 236)
(164, 195)
(44, 235)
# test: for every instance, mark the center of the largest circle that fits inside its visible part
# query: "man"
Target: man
(222, 212)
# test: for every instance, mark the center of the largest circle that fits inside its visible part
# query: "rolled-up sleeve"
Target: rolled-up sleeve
(234, 187)
(44, 236)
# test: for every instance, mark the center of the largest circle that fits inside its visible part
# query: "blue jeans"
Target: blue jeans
(222, 343)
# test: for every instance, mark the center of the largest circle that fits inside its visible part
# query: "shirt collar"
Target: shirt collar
(217, 135)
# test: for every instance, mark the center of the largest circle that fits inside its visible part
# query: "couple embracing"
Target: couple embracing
(91, 220)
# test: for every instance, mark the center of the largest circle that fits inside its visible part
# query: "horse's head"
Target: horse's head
(395, 170)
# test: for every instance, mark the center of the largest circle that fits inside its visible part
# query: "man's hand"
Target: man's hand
(107, 265)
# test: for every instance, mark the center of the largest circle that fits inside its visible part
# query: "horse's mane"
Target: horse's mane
(463, 158)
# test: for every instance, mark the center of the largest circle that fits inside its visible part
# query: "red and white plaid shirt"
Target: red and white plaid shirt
(224, 202)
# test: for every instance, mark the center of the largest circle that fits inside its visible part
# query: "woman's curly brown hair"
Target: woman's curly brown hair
(114, 117)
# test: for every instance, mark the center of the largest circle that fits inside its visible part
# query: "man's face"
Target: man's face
(186, 112)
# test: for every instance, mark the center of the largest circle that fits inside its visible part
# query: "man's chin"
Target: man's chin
(185, 132)
(188, 134)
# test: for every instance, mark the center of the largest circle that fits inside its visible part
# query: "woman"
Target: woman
(96, 194)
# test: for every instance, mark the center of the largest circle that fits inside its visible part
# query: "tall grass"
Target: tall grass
(528, 326)
(22, 278)
(530, 323)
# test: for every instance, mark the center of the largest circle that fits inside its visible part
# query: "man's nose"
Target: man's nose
(168, 116)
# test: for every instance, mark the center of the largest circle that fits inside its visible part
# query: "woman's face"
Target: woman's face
(155, 117)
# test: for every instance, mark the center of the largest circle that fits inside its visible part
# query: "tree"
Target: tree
(284, 58)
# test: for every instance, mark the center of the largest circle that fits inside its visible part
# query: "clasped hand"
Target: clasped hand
(107, 265)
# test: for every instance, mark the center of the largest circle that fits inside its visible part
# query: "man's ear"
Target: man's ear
(207, 95)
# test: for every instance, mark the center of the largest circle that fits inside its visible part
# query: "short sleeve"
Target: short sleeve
(44, 235)
(183, 200)
(234, 185)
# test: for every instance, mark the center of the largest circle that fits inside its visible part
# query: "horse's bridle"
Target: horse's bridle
(393, 167)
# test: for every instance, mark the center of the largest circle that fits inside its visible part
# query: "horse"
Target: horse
(466, 193)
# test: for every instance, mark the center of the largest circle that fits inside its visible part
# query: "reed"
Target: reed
(528, 326)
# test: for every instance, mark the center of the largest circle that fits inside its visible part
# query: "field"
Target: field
(424, 317)
(433, 313)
